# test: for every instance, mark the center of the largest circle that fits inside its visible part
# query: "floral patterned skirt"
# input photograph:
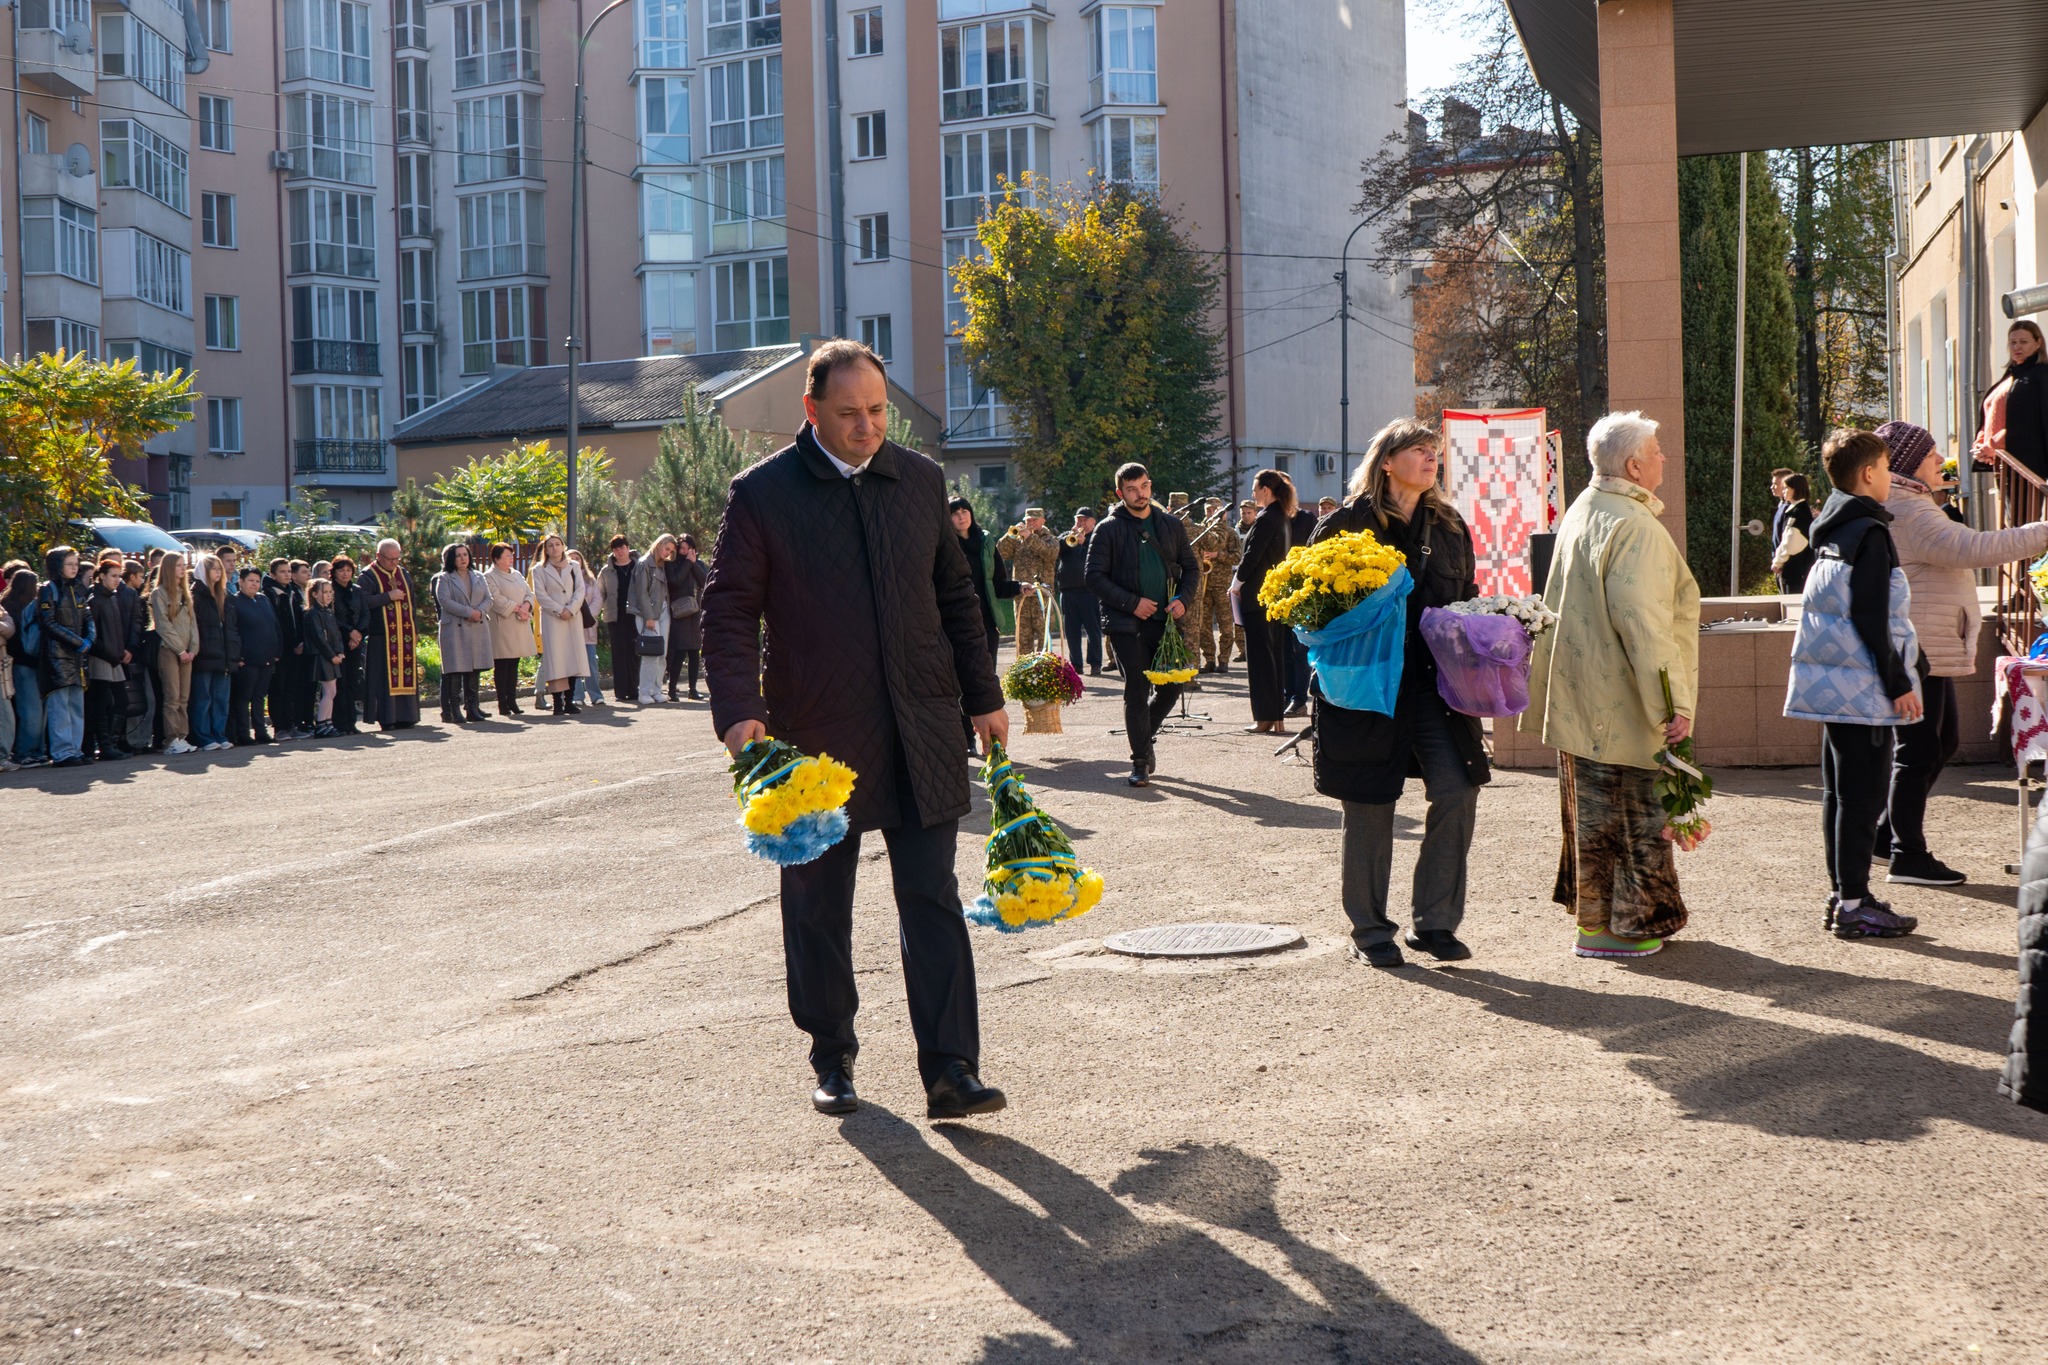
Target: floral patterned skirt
(1617, 872)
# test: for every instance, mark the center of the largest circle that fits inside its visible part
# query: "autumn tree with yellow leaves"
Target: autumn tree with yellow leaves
(1092, 316)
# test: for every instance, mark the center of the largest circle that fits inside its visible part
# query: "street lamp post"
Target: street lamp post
(1344, 343)
(574, 344)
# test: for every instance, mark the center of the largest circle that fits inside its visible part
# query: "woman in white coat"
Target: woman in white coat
(558, 587)
(1940, 557)
(511, 625)
(648, 603)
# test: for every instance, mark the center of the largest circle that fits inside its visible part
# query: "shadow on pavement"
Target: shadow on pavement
(1921, 946)
(1121, 1288)
(1936, 1013)
(1775, 1078)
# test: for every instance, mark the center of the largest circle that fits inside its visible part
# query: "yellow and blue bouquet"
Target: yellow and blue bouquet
(1033, 876)
(1170, 662)
(1316, 584)
(792, 806)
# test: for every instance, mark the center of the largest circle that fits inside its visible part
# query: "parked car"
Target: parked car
(129, 537)
(211, 538)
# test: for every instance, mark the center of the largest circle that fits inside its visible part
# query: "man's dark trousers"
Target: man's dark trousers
(626, 660)
(1083, 615)
(1145, 707)
(938, 958)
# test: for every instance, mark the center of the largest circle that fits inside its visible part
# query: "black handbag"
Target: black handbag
(134, 698)
(589, 621)
(651, 645)
(686, 605)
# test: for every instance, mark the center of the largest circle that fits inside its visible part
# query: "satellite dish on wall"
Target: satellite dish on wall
(78, 159)
(77, 37)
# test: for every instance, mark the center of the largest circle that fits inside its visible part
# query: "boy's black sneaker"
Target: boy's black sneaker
(1872, 919)
(1922, 869)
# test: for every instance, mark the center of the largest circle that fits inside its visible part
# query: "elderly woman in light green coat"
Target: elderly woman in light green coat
(1626, 638)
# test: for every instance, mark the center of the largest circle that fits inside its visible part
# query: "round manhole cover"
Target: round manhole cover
(1202, 940)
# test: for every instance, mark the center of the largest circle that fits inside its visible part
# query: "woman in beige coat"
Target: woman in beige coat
(1940, 558)
(558, 596)
(511, 626)
(177, 631)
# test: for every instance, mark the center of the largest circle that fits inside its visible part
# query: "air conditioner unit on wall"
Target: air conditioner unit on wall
(1326, 463)
(283, 161)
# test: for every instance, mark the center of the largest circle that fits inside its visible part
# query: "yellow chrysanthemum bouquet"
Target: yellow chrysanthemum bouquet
(792, 806)
(1033, 876)
(1170, 662)
(1344, 597)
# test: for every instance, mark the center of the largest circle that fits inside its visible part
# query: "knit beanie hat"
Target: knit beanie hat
(1909, 445)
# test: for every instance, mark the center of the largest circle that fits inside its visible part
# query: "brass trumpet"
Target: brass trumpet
(1074, 537)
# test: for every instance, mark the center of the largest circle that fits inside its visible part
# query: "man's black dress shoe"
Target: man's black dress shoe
(1379, 955)
(1138, 777)
(834, 1094)
(958, 1093)
(1441, 944)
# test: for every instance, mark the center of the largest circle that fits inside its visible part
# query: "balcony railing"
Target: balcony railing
(341, 457)
(334, 357)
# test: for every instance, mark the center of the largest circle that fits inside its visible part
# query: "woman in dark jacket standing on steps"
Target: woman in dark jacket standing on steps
(1265, 644)
(2015, 412)
(1363, 758)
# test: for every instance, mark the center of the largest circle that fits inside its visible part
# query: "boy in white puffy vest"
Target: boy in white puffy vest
(1852, 670)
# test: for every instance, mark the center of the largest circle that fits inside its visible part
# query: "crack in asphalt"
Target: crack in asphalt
(576, 978)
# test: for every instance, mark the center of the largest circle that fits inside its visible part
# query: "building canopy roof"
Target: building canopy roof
(615, 393)
(1759, 74)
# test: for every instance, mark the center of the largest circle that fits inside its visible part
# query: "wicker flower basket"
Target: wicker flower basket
(1042, 718)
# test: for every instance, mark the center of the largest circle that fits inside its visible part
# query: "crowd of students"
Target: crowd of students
(111, 657)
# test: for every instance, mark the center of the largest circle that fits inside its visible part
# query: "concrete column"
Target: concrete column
(1639, 182)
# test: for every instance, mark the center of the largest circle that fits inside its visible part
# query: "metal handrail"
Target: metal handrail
(2022, 498)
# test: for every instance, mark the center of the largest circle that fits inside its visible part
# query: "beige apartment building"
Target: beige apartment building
(341, 213)
(1973, 218)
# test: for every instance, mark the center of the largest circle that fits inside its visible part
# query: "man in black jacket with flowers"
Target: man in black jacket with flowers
(842, 544)
(1142, 568)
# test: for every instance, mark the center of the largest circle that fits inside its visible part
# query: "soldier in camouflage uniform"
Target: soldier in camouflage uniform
(1220, 548)
(1033, 553)
(1247, 513)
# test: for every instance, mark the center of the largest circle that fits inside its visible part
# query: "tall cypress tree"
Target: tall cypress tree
(1708, 196)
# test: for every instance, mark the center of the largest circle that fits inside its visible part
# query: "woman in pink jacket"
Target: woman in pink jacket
(1940, 557)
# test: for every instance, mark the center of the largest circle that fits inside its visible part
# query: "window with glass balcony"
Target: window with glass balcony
(1126, 150)
(968, 9)
(746, 104)
(974, 411)
(497, 138)
(134, 156)
(750, 303)
(668, 217)
(414, 120)
(501, 235)
(223, 322)
(494, 42)
(416, 308)
(735, 25)
(139, 266)
(334, 330)
(332, 232)
(409, 23)
(505, 326)
(217, 220)
(664, 33)
(983, 164)
(327, 40)
(59, 237)
(992, 69)
(747, 205)
(149, 357)
(340, 429)
(419, 376)
(329, 137)
(50, 336)
(224, 427)
(665, 121)
(671, 311)
(54, 14)
(416, 195)
(1123, 55)
(132, 49)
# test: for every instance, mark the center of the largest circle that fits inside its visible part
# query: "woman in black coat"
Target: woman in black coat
(1364, 758)
(2025, 392)
(686, 579)
(219, 654)
(1265, 643)
(990, 583)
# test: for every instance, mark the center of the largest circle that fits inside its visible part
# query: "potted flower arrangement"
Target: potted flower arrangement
(1344, 599)
(1044, 682)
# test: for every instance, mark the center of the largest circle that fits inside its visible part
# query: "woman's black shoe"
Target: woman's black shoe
(569, 708)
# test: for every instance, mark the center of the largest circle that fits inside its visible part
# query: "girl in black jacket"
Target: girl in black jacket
(325, 651)
(106, 673)
(1265, 644)
(219, 653)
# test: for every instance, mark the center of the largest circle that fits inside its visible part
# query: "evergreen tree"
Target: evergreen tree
(685, 488)
(301, 531)
(1708, 195)
(420, 530)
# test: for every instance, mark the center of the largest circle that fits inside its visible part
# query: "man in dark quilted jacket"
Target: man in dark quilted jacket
(842, 544)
